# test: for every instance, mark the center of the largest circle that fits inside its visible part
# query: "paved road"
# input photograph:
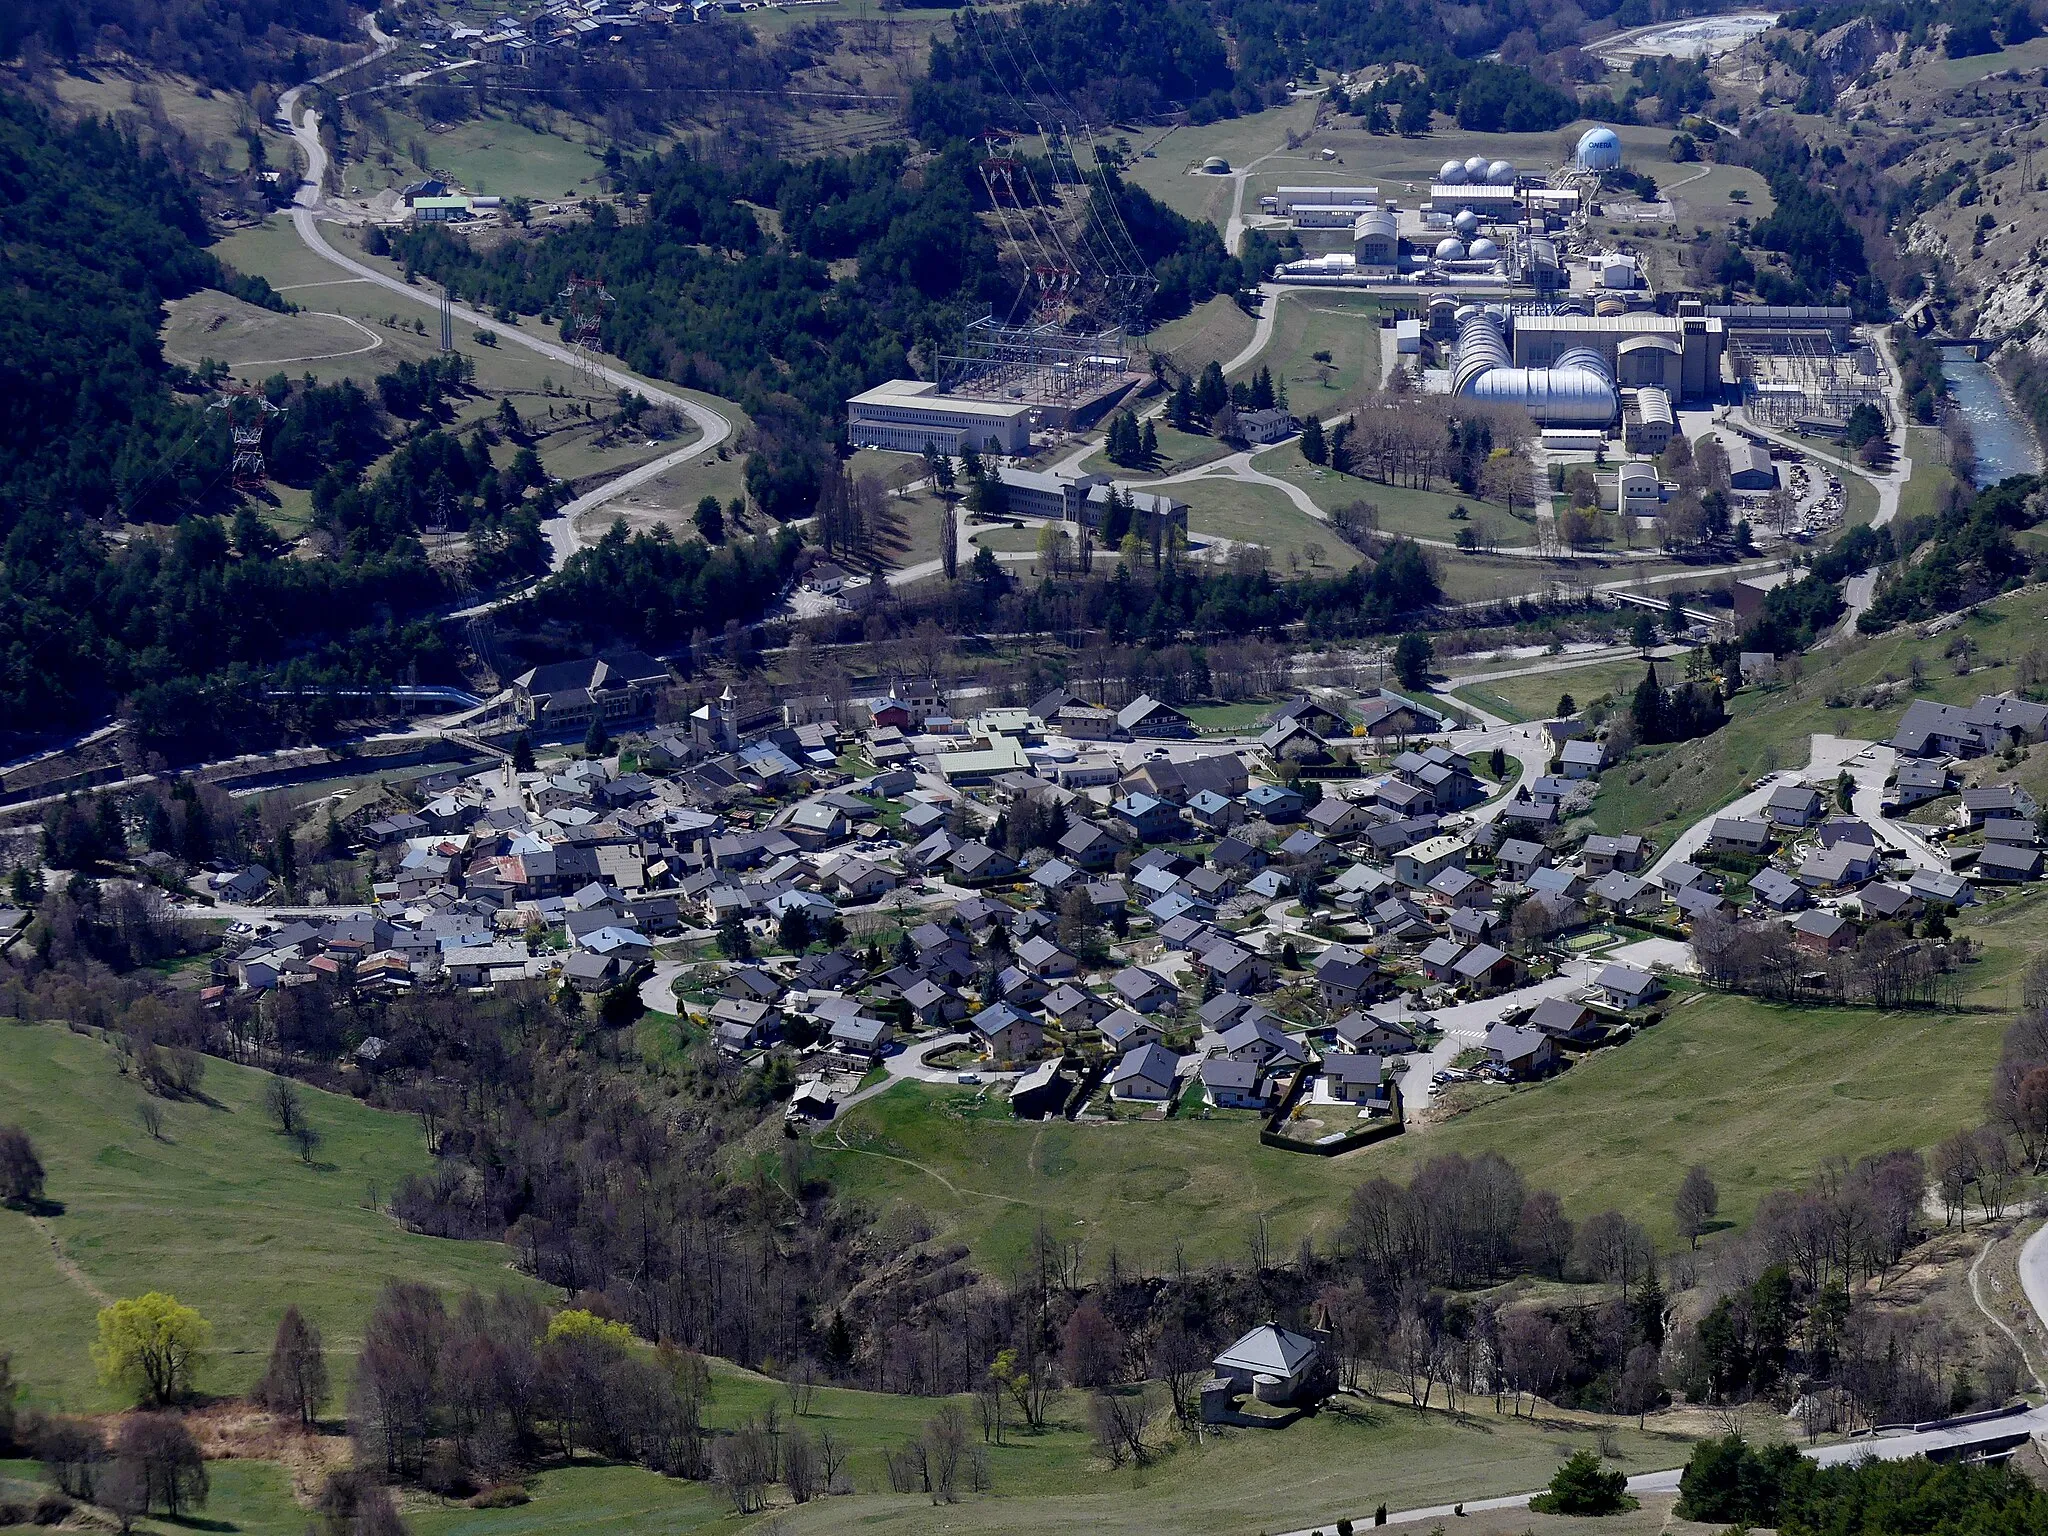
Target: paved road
(561, 531)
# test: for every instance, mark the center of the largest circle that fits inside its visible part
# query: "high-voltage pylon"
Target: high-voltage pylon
(246, 413)
(584, 302)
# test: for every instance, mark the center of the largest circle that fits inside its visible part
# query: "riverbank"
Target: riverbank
(2005, 439)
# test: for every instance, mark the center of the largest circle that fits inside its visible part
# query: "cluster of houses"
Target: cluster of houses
(1150, 943)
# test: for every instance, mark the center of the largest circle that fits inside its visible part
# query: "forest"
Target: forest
(230, 47)
(1123, 59)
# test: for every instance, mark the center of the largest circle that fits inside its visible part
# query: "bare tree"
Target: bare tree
(945, 1444)
(1697, 1203)
(295, 1383)
(287, 1109)
(150, 1115)
(800, 1467)
(1120, 1421)
(801, 1382)
(1179, 1360)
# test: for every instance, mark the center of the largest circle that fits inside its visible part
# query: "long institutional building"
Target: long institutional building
(905, 415)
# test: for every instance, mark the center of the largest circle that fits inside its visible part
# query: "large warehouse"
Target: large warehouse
(906, 414)
(1679, 355)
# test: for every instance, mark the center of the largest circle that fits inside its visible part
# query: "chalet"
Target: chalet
(1517, 859)
(1258, 1038)
(1233, 1084)
(1916, 783)
(979, 864)
(1996, 802)
(1292, 742)
(1007, 1035)
(1149, 820)
(1344, 983)
(1220, 772)
(1234, 968)
(1527, 814)
(1838, 868)
(1072, 1007)
(1822, 932)
(1626, 986)
(1461, 888)
(1739, 834)
(2006, 862)
(1145, 1074)
(1847, 829)
(1274, 802)
(1237, 856)
(1214, 811)
(1581, 759)
(1567, 1022)
(1520, 1052)
(1356, 1079)
(1887, 902)
(1794, 805)
(1124, 1031)
(1937, 886)
(1625, 894)
(1323, 721)
(1440, 958)
(1335, 818)
(1042, 1092)
(1089, 845)
(859, 1035)
(1603, 855)
(1363, 1034)
(1391, 716)
(1697, 901)
(1147, 716)
(1475, 925)
(1143, 991)
(1305, 847)
(1775, 889)
(1043, 958)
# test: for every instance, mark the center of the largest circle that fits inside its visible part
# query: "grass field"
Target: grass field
(1214, 332)
(491, 154)
(1347, 327)
(1237, 509)
(1402, 509)
(1534, 696)
(1351, 1457)
(222, 1213)
(1760, 1094)
(1240, 140)
(210, 324)
(1922, 493)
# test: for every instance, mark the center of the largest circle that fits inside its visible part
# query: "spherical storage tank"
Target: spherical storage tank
(1466, 223)
(1484, 249)
(1599, 149)
(1475, 168)
(1449, 249)
(1500, 174)
(1451, 173)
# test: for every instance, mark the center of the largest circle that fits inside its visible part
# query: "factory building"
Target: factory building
(1374, 240)
(1082, 499)
(1289, 199)
(905, 414)
(1679, 355)
(1646, 420)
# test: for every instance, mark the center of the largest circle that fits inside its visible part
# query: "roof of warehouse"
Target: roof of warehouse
(1630, 325)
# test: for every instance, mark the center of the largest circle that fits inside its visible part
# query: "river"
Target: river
(2006, 444)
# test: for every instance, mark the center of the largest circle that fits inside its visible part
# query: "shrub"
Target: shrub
(1582, 1486)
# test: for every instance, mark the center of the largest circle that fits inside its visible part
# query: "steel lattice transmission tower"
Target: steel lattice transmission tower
(246, 413)
(584, 302)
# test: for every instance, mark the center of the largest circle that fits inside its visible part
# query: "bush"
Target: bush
(1582, 1486)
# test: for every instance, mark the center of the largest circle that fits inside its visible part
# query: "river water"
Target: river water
(2006, 444)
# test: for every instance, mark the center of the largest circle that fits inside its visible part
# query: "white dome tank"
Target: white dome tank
(1475, 168)
(1599, 149)
(1484, 249)
(1449, 249)
(1451, 173)
(1500, 174)
(1466, 223)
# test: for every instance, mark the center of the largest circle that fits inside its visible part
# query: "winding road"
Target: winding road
(561, 530)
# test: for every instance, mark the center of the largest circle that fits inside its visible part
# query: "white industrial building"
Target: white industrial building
(1646, 420)
(907, 414)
